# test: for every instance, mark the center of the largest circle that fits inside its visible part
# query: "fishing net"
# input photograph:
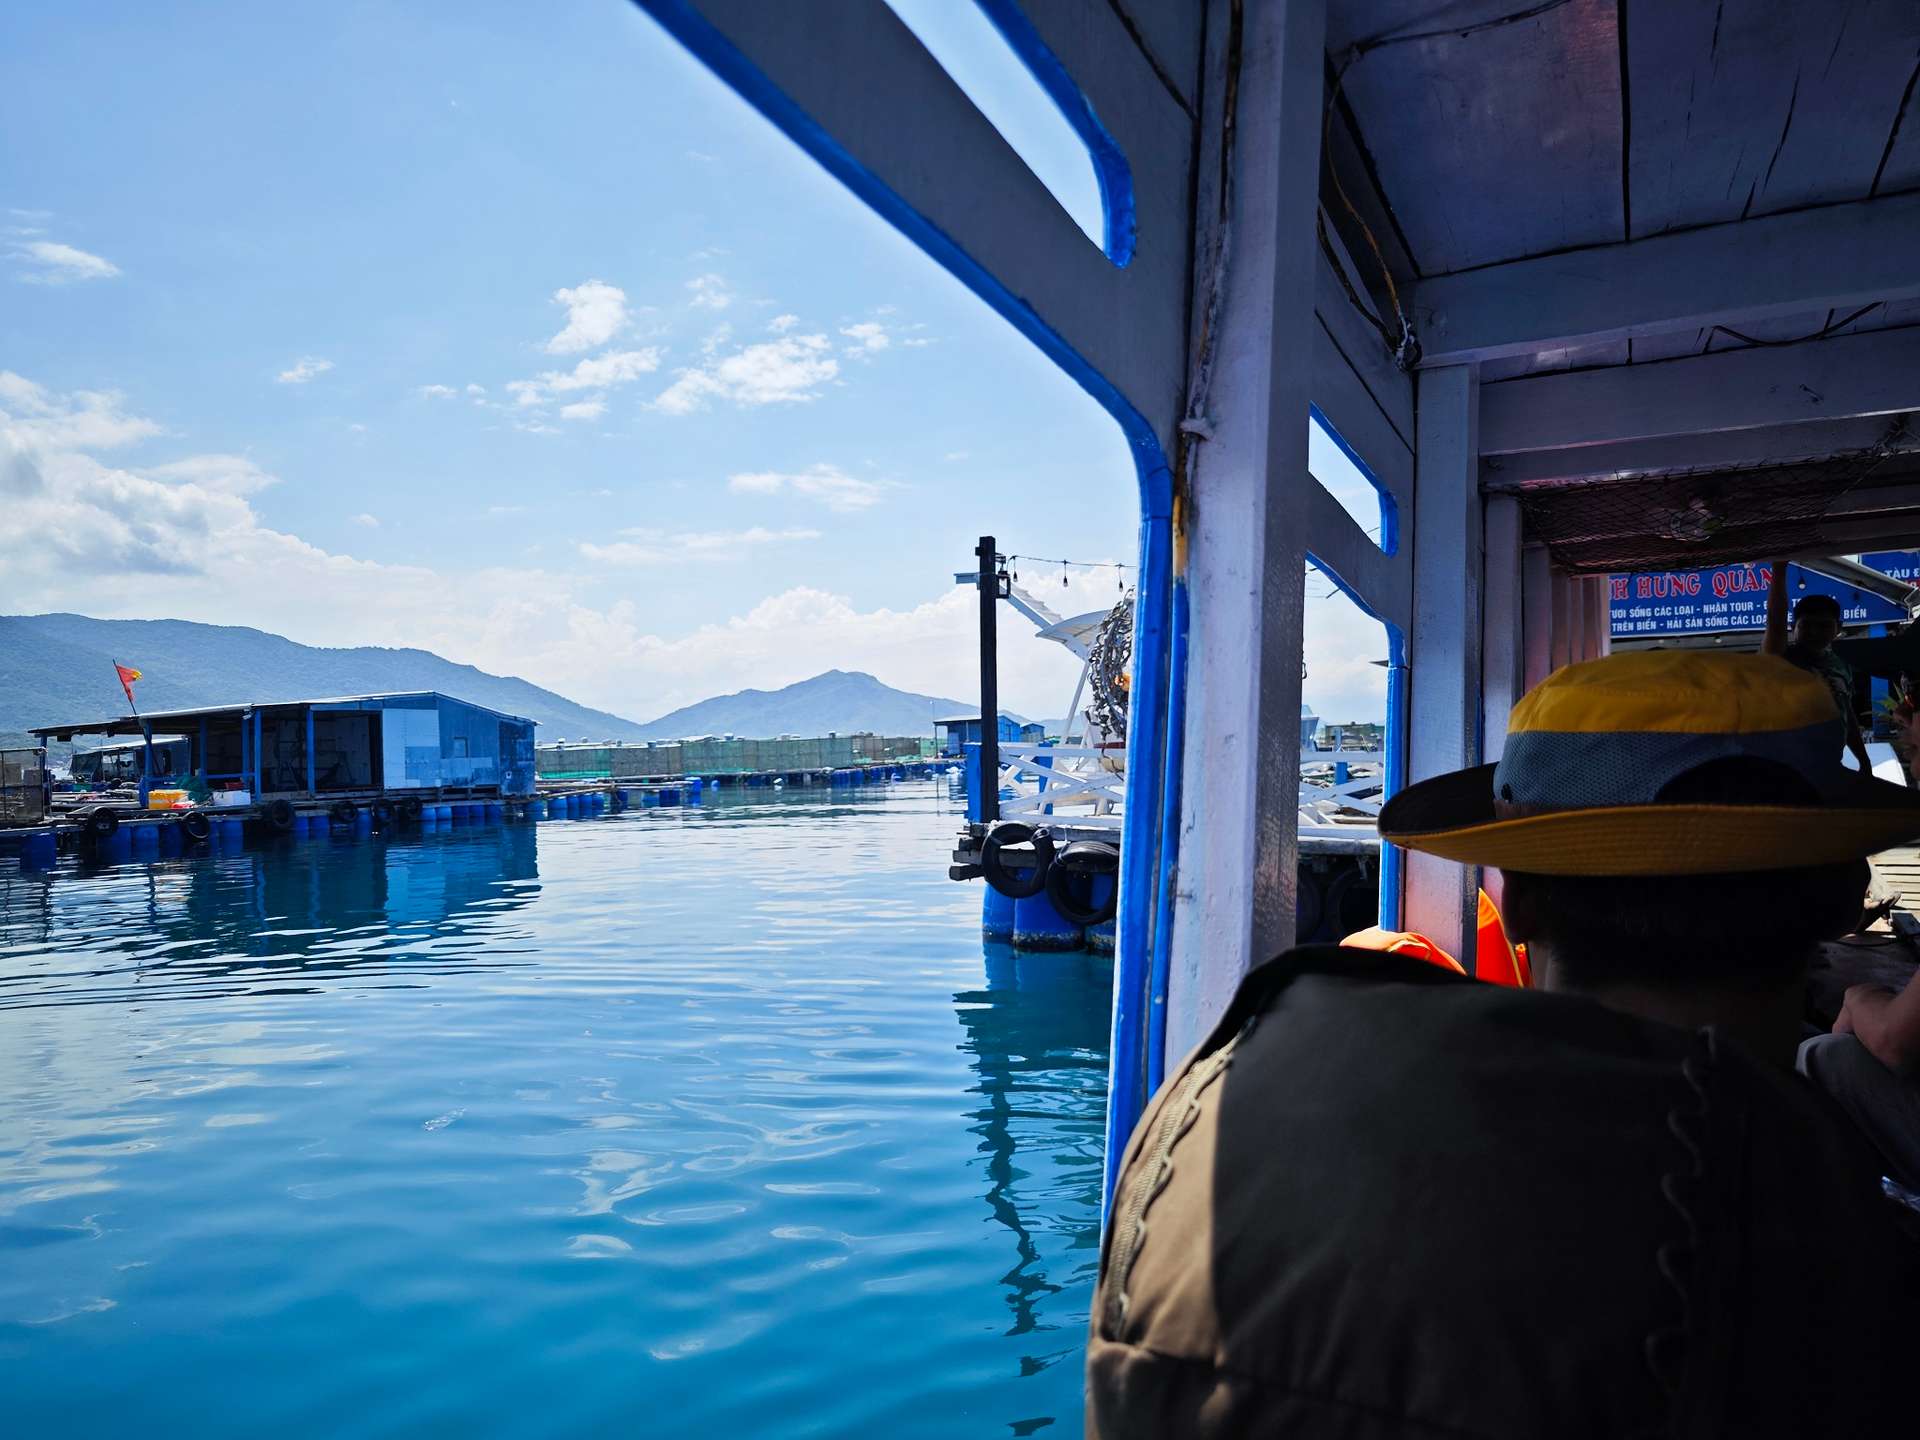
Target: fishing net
(1108, 677)
(1689, 519)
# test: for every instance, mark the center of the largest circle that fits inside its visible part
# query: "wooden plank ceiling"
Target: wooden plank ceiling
(1546, 133)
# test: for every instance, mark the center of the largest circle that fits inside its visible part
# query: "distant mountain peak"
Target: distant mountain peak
(833, 702)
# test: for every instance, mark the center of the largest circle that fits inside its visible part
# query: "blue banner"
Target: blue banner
(1721, 598)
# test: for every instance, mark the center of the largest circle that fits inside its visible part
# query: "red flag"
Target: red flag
(127, 677)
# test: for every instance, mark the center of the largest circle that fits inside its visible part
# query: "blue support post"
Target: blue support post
(310, 750)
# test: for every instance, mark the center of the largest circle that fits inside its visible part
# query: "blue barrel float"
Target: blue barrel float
(996, 915)
(1038, 926)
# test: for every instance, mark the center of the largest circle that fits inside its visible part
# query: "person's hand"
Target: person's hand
(1863, 1013)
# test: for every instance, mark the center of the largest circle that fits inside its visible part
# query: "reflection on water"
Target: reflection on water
(698, 1122)
(293, 915)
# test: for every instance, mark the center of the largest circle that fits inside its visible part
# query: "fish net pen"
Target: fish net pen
(24, 788)
(1689, 519)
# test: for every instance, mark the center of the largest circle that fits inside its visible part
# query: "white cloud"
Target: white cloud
(47, 262)
(643, 546)
(123, 542)
(476, 389)
(780, 324)
(709, 292)
(718, 336)
(596, 312)
(614, 367)
(506, 509)
(232, 474)
(83, 420)
(370, 522)
(437, 392)
(954, 456)
(591, 409)
(1340, 644)
(303, 370)
(785, 371)
(829, 485)
(867, 336)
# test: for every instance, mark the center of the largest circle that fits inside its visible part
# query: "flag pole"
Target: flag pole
(146, 733)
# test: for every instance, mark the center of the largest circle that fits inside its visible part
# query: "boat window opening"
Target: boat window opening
(1347, 716)
(1341, 472)
(990, 51)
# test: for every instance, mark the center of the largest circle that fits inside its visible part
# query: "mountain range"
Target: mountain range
(838, 701)
(55, 668)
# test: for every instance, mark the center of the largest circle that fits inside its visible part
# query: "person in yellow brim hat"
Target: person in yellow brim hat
(1384, 1200)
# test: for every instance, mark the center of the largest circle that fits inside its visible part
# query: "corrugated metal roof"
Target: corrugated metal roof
(135, 724)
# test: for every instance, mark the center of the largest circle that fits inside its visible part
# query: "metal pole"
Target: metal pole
(989, 680)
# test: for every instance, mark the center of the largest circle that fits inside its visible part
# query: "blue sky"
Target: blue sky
(508, 331)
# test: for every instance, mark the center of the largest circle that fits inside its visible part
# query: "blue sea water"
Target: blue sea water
(714, 1121)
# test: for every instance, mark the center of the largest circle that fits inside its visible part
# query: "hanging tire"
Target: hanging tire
(383, 812)
(196, 826)
(1020, 882)
(343, 812)
(1353, 901)
(280, 814)
(102, 822)
(1076, 877)
(1310, 907)
(410, 810)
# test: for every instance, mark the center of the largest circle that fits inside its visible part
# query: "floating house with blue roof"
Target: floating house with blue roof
(354, 745)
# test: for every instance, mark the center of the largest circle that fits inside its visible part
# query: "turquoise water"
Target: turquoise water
(714, 1122)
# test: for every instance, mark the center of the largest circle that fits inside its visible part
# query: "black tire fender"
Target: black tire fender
(1018, 883)
(102, 821)
(1074, 876)
(409, 808)
(1353, 901)
(343, 812)
(196, 826)
(1310, 907)
(280, 814)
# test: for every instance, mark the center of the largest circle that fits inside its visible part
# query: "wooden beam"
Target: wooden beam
(1536, 598)
(1249, 523)
(1502, 638)
(1444, 646)
(1877, 373)
(1837, 257)
(1714, 450)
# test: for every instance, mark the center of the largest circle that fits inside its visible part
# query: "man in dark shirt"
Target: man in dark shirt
(1809, 644)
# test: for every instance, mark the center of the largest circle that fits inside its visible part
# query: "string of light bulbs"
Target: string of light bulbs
(1011, 564)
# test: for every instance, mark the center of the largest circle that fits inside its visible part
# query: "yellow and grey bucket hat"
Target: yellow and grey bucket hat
(1592, 749)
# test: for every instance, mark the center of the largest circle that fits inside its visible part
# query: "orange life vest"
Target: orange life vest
(1496, 959)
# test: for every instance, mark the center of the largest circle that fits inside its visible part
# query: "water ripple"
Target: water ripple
(318, 1137)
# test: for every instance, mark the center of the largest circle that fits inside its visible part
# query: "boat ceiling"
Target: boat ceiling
(1516, 140)
(1495, 131)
